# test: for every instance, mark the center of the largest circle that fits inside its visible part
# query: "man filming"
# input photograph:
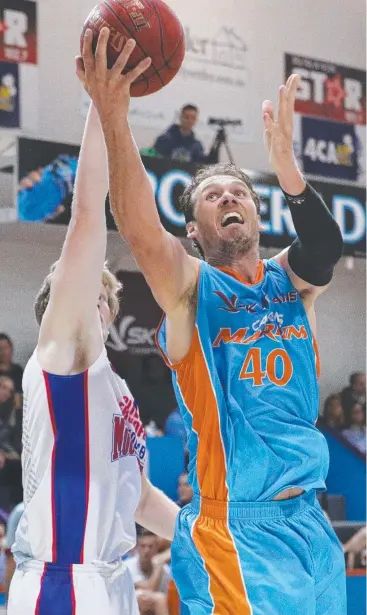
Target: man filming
(180, 143)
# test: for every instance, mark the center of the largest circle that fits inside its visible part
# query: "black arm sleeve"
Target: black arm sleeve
(319, 243)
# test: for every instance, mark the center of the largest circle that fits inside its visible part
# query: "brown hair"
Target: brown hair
(109, 281)
(187, 202)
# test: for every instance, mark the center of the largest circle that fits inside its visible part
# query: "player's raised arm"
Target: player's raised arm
(70, 324)
(170, 272)
(311, 259)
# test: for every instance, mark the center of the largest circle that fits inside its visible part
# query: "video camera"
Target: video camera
(222, 123)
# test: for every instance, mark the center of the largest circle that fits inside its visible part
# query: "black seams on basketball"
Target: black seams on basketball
(158, 34)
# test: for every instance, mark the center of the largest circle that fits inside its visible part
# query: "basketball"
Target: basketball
(158, 34)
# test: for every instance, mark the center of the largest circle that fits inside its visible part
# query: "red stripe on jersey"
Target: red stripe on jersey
(53, 458)
(38, 603)
(73, 600)
(87, 458)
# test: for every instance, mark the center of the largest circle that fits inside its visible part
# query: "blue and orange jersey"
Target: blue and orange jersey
(248, 388)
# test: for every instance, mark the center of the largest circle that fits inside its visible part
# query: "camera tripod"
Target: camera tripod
(222, 139)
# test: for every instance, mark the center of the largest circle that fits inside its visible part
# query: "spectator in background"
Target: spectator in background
(185, 492)
(10, 447)
(9, 432)
(356, 431)
(333, 414)
(174, 425)
(356, 546)
(12, 525)
(150, 575)
(356, 392)
(10, 369)
(7, 398)
(180, 143)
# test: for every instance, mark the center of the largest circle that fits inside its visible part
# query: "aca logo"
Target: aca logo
(330, 149)
(330, 152)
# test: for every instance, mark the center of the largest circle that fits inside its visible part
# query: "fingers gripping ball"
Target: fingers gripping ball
(158, 34)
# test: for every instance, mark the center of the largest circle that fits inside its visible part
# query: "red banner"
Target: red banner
(18, 31)
(329, 90)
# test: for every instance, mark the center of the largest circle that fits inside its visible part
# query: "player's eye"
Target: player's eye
(212, 196)
(240, 193)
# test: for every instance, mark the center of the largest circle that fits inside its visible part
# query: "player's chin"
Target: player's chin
(233, 230)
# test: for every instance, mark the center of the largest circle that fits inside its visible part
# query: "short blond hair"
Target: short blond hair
(109, 281)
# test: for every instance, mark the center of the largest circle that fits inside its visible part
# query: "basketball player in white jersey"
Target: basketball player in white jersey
(84, 444)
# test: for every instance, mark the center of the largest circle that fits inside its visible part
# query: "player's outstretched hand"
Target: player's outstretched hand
(109, 89)
(278, 132)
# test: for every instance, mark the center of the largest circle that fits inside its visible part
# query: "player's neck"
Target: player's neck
(246, 265)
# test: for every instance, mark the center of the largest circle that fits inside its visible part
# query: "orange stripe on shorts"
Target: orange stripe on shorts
(212, 537)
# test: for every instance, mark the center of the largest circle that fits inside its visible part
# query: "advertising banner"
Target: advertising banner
(9, 95)
(132, 350)
(329, 90)
(47, 173)
(134, 328)
(46, 180)
(331, 149)
(18, 31)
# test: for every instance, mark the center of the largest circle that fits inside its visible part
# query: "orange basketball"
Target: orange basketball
(158, 34)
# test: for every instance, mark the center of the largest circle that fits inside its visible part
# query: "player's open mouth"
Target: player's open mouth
(232, 217)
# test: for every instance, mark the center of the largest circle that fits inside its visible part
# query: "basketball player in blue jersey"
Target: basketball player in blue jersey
(84, 444)
(240, 337)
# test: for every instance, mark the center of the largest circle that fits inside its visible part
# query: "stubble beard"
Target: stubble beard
(241, 245)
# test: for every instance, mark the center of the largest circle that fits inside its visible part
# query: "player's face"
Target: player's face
(226, 219)
(104, 312)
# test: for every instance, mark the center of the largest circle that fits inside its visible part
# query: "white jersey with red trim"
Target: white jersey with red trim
(83, 454)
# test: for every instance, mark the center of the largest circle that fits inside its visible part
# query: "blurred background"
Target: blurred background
(238, 53)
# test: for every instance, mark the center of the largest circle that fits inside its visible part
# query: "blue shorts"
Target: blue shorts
(272, 558)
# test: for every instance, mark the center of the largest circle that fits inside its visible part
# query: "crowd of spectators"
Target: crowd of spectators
(149, 565)
(345, 412)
